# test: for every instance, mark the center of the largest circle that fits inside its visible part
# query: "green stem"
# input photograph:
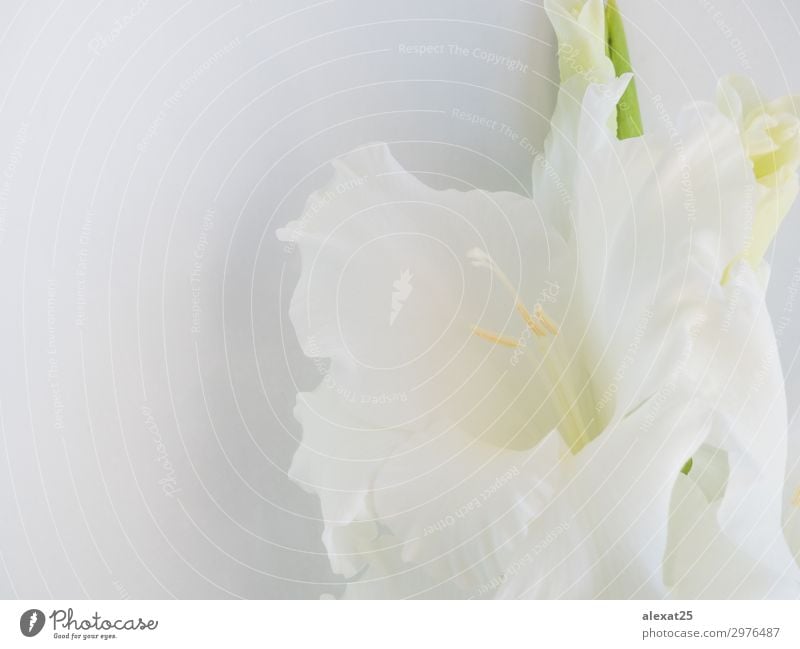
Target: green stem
(629, 118)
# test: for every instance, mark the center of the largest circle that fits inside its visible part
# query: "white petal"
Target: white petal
(388, 577)
(417, 514)
(419, 416)
(462, 507)
(608, 525)
(737, 96)
(337, 460)
(736, 358)
(581, 32)
(705, 562)
(710, 469)
(657, 220)
(584, 110)
(407, 354)
(641, 200)
(791, 493)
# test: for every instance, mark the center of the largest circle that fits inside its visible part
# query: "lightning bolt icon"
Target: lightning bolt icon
(32, 621)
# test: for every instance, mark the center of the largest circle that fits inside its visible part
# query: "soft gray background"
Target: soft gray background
(148, 151)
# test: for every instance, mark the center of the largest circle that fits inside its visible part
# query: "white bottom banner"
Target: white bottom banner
(131, 623)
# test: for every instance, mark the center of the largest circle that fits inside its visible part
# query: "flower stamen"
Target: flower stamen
(567, 405)
(493, 337)
(533, 325)
(538, 325)
(547, 322)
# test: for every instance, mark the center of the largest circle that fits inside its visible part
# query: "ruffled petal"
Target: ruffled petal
(580, 28)
(433, 449)
(730, 517)
(578, 115)
(581, 33)
(724, 407)
(737, 96)
(791, 493)
(605, 533)
(705, 562)
(641, 200)
(461, 508)
(657, 220)
(337, 460)
(388, 293)
(770, 137)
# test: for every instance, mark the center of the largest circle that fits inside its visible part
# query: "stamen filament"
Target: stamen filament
(534, 326)
(571, 424)
(577, 433)
(547, 322)
(493, 337)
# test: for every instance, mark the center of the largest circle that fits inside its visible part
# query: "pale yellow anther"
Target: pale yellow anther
(493, 337)
(568, 403)
(796, 498)
(539, 325)
(533, 325)
(547, 322)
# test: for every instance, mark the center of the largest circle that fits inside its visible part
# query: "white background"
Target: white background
(139, 139)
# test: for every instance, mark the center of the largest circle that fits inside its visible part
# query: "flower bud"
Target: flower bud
(580, 28)
(770, 132)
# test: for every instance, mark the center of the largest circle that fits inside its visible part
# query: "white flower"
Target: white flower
(448, 448)
(580, 29)
(725, 536)
(770, 132)
(518, 425)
